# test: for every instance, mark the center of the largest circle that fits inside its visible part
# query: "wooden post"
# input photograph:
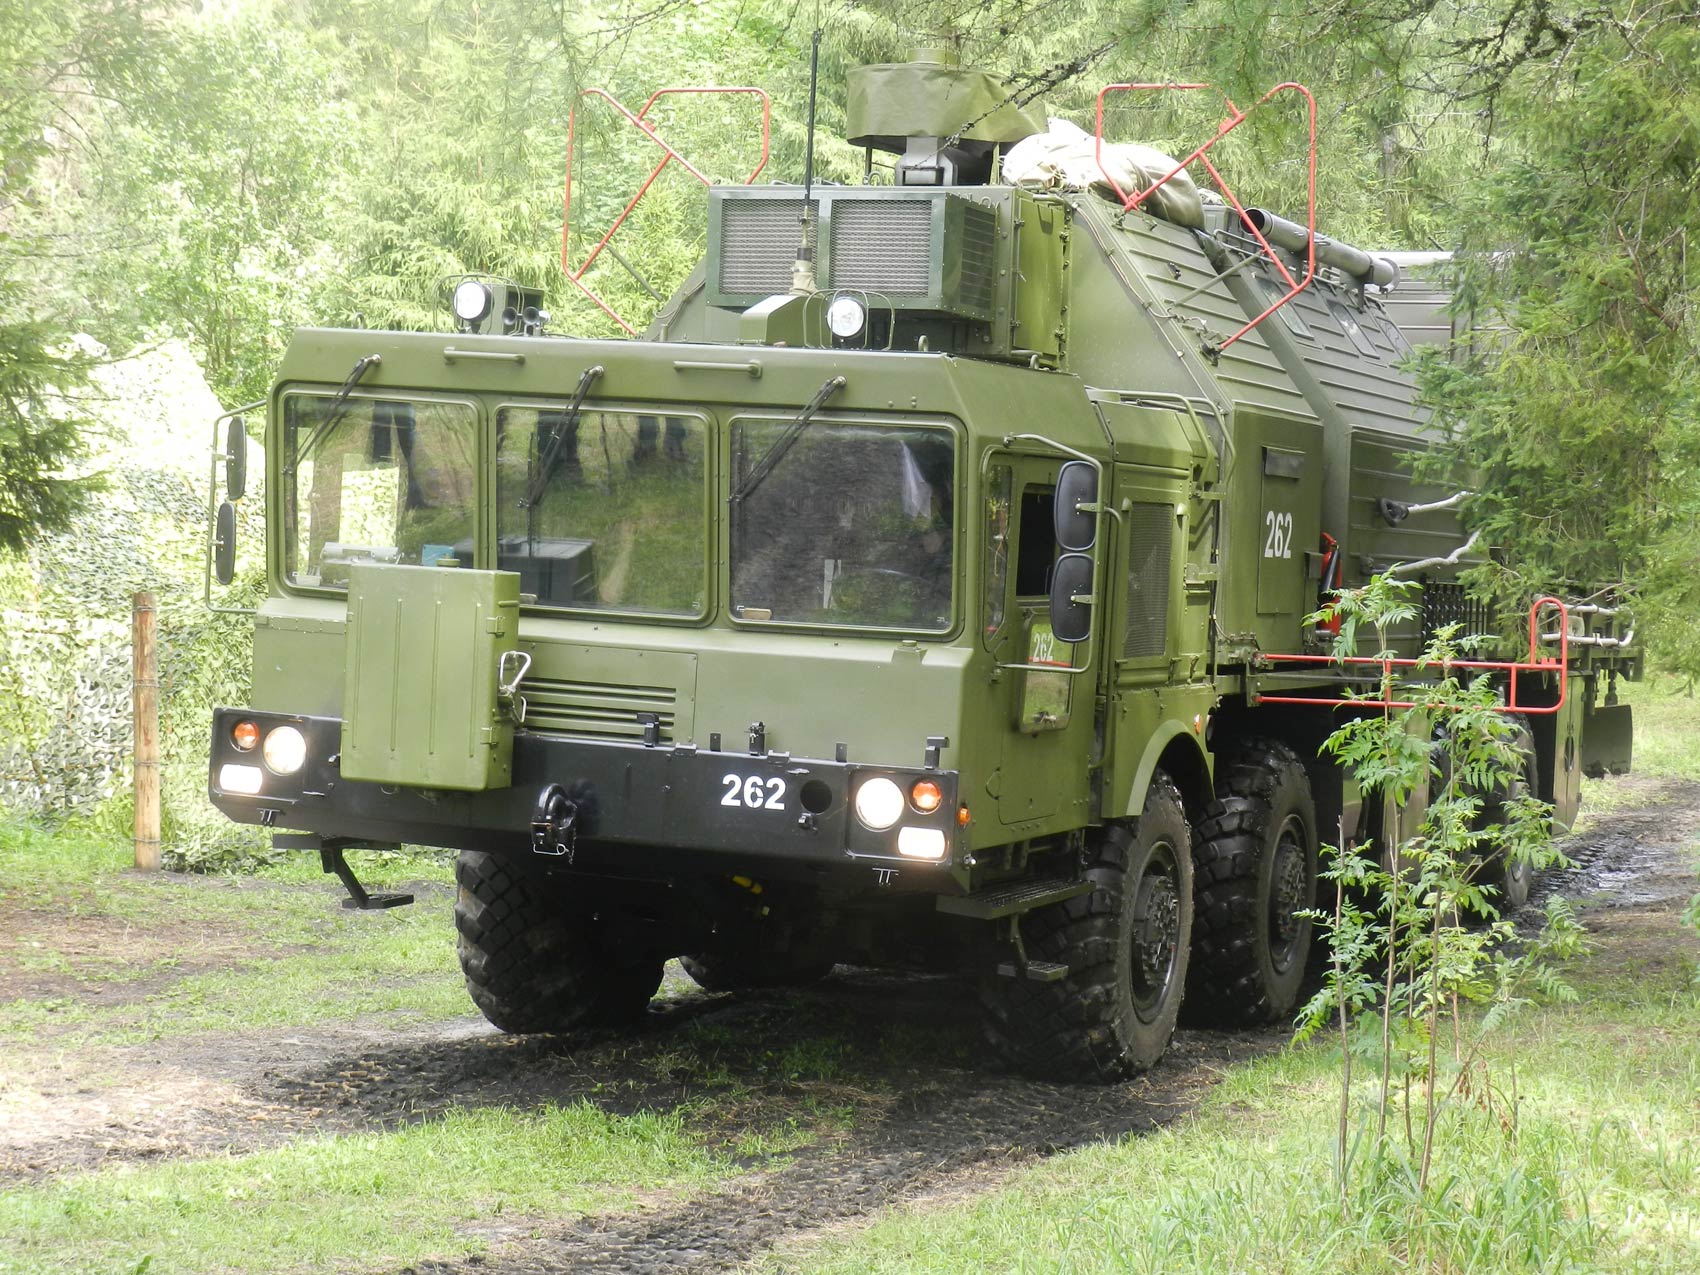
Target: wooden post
(145, 702)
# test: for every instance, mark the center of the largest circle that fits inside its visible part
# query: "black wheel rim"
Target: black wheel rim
(1289, 894)
(1156, 931)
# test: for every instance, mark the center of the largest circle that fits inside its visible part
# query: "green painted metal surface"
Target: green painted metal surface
(423, 649)
(1025, 327)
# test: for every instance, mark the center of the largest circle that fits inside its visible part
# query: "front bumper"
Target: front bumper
(639, 806)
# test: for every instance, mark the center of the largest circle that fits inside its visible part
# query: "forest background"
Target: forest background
(187, 182)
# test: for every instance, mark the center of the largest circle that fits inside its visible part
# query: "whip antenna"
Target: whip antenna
(803, 272)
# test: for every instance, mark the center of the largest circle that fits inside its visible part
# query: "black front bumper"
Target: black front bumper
(639, 806)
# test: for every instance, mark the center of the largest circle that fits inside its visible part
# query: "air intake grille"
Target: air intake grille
(597, 710)
(1148, 575)
(883, 245)
(979, 256)
(1446, 603)
(758, 244)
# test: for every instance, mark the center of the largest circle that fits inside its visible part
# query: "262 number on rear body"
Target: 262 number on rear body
(753, 792)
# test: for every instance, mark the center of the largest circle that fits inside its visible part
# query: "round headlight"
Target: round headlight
(285, 750)
(845, 316)
(472, 300)
(245, 735)
(879, 804)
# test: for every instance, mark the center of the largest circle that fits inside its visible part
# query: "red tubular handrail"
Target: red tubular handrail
(1536, 663)
(638, 121)
(1235, 118)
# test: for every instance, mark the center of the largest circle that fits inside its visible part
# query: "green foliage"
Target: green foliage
(42, 428)
(1581, 421)
(1406, 957)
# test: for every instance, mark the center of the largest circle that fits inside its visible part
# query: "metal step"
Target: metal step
(1009, 900)
(1038, 971)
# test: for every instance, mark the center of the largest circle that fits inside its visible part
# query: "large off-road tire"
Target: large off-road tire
(533, 961)
(722, 971)
(1125, 945)
(1255, 852)
(1509, 878)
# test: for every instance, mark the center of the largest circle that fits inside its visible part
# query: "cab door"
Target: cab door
(1044, 715)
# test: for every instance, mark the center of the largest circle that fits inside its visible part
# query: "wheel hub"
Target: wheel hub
(1156, 934)
(1287, 894)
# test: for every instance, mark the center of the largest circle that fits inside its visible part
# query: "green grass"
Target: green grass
(1602, 1175)
(1667, 745)
(1667, 727)
(211, 954)
(351, 1203)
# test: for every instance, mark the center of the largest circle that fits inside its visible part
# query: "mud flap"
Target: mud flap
(1608, 738)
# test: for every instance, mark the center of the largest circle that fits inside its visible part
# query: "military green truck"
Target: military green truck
(941, 603)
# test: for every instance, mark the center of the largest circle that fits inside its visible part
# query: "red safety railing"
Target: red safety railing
(1235, 118)
(670, 154)
(1536, 663)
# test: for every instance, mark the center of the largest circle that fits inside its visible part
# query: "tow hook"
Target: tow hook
(554, 824)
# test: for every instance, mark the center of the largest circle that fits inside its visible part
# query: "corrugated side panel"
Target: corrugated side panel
(1174, 266)
(883, 245)
(1381, 467)
(1370, 390)
(422, 649)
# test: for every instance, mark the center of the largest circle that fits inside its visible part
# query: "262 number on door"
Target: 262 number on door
(1279, 542)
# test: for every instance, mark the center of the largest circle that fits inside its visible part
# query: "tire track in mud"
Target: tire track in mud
(960, 1129)
(900, 1053)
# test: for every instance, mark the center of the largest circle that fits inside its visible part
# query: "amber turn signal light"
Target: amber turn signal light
(926, 796)
(245, 735)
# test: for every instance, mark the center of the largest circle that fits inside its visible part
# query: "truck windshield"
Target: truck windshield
(854, 526)
(603, 510)
(376, 480)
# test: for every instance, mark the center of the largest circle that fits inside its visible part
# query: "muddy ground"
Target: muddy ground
(839, 1100)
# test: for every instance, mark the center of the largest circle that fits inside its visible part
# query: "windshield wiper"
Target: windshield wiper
(337, 410)
(569, 422)
(776, 453)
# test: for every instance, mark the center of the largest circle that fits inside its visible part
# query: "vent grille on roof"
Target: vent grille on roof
(1148, 574)
(758, 244)
(883, 245)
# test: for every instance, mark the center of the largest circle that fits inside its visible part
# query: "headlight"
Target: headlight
(921, 843)
(285, 750)
(245, 735)
(471, 301)
(845, 316)
(243, 779)
(879, 803)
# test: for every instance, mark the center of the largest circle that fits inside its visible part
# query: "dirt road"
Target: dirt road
(840, 1100)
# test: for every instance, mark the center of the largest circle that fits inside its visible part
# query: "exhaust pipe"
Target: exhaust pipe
(1363, 266)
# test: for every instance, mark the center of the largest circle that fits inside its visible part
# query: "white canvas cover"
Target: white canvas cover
(1062, 157)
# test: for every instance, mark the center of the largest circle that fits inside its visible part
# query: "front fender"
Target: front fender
(1193, 775)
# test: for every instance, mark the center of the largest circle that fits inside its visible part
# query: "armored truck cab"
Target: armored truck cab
(928, 608)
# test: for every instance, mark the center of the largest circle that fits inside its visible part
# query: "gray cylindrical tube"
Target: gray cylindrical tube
(1381, 271)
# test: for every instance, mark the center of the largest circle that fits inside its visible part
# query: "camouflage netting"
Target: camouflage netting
(65, 664)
